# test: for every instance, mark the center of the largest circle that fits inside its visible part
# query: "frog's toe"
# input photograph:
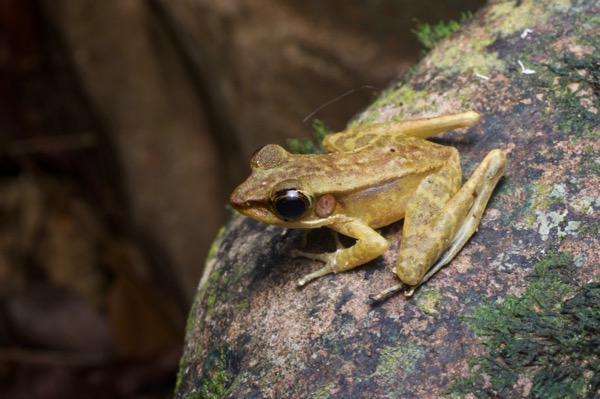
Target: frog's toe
(327, 269)
(304, 280)
(388, 292)
(325, 257)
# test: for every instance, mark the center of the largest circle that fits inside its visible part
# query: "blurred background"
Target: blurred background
(124, 125)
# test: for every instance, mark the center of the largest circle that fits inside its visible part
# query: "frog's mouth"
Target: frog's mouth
(254, 209)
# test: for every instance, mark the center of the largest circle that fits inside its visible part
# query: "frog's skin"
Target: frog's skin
(373, 176)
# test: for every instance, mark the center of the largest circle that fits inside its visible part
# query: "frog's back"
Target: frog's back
(378, 160)
(355, 138)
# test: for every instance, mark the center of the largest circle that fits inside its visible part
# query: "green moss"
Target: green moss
(530, 220)
(218, 376)
(392, 359)
(459, 57)
(323, 391)
(503, 21)
(504, 17)
(389, 361)
(215, 244)
(571, 85)
(593, 229)
(411, 355)
(578, 78)
(307, 146)
(530, 14)
(541, 196)
(418, 100)
(209, 305)
(400, 96)
(508, 188)
(180, 371)
(549, 336)
(584, 28)
(430, 35)
(210, 301)
(590, 161)
(428, 301)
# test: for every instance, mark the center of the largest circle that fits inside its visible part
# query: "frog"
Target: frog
(369, 177)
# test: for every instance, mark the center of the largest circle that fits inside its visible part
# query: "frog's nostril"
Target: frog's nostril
(237, 200)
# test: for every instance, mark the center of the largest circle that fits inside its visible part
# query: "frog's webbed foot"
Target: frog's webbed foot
(328, 258)
(410, 289)
(388, 292)
(369, 245)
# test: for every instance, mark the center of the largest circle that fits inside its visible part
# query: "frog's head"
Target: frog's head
(274, 194)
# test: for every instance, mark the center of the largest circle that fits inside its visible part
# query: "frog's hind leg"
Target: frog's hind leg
(421, 245)
(429, 127)
(446, 233)
(480, 186)
(423, 128)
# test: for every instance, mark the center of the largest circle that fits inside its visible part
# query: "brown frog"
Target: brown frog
(375, 175)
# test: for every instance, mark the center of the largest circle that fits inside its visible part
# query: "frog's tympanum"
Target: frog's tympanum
(373, 176)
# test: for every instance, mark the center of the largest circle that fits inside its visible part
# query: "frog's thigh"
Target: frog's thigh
(449, 229)
(420, 247)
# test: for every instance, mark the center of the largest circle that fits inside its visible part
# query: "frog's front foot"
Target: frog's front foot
(327, 258)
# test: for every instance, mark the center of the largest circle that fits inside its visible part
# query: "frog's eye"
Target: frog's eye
(290, 204)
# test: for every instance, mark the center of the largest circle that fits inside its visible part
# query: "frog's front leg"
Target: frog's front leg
(369, 245)
(431, 241)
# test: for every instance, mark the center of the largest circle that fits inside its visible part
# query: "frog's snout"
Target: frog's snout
(238, 201)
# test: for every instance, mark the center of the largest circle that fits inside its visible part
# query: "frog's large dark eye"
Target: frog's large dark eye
(290, 204)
